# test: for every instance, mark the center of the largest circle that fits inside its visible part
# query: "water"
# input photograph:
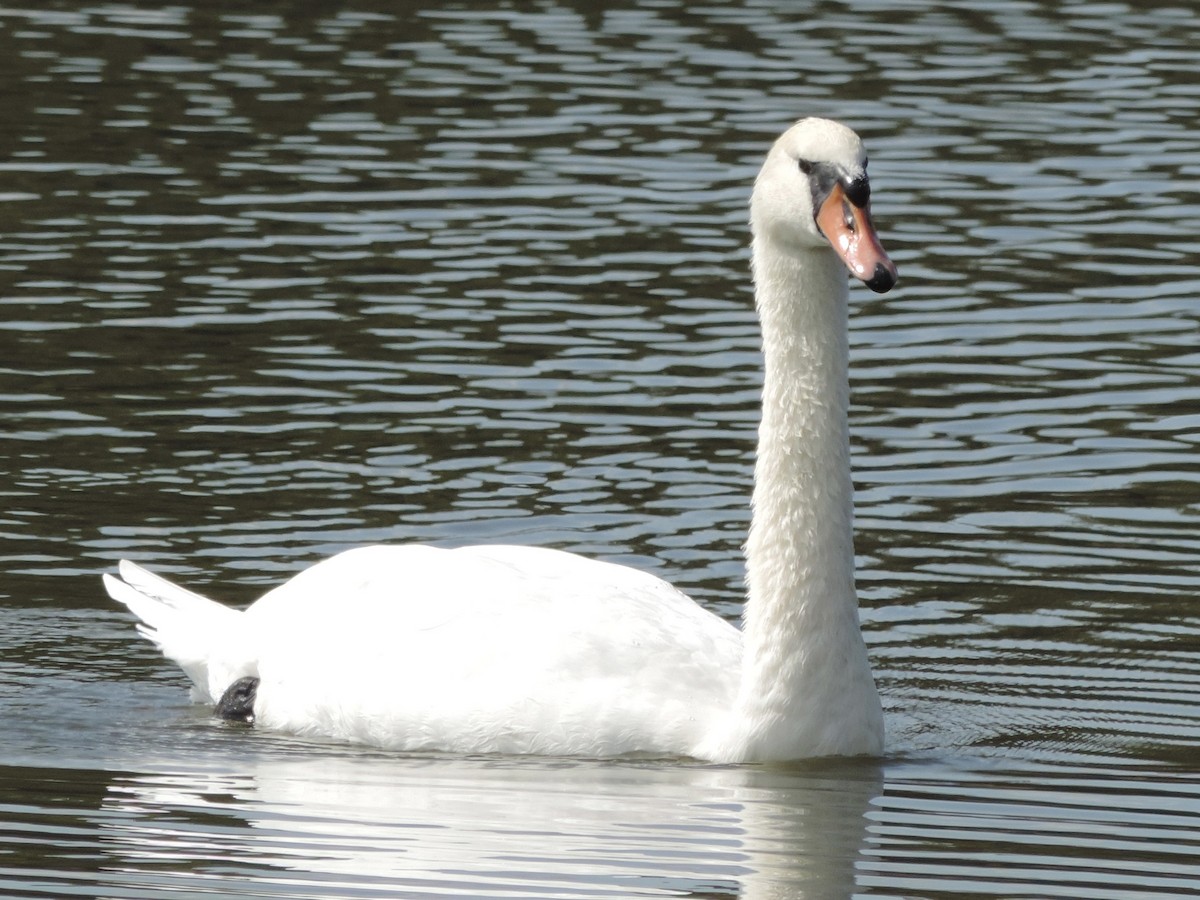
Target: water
(280, 283)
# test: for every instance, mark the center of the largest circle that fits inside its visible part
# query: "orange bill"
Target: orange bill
(849, 230)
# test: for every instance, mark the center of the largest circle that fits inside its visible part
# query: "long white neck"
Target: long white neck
(806, 683)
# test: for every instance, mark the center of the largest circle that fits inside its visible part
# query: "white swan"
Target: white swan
(499, 649)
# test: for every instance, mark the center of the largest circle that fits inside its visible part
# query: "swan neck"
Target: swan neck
(801, 540)
(804, 655)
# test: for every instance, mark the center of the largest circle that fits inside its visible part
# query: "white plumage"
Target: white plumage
(505, 649)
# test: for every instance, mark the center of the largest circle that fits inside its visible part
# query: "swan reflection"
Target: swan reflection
(488, 827)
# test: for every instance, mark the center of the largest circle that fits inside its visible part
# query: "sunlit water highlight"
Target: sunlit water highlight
(277, 283)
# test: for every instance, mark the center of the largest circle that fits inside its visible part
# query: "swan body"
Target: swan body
(523, 650)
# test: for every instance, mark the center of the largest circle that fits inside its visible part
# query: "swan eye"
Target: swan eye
(805, 166)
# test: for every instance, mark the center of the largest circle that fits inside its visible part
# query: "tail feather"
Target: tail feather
(205, 638)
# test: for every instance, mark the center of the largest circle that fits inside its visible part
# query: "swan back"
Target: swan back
(491, 649)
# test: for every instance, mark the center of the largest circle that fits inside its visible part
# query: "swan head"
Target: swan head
(813, 192)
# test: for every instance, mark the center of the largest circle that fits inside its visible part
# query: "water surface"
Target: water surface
(278, 283)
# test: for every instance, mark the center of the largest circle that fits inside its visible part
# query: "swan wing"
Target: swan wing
(492, 649)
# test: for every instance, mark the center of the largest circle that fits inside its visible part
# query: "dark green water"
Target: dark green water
(277, 283)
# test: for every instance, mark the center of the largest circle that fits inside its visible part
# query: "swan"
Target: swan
(526, 650)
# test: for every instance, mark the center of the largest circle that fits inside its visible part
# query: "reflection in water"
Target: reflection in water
(301, 821)
(277, 281)
(487, 828)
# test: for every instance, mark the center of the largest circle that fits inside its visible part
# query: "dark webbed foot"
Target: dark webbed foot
(237, 703)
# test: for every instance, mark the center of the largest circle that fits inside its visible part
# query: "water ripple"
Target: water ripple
(281, 284)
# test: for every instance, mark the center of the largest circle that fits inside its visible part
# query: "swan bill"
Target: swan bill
(848, 228)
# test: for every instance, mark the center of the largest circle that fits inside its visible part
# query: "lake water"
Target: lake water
(280, 283)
